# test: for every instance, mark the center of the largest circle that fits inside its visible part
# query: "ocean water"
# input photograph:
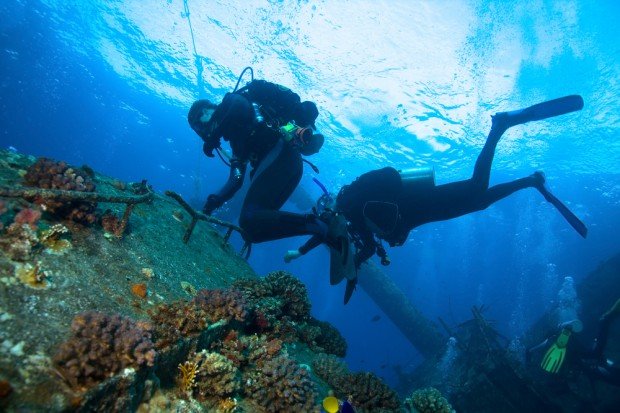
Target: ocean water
(401, 83)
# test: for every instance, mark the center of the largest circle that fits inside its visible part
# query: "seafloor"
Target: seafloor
(105, 308)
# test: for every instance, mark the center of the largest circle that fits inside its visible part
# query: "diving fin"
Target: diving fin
(341, 251)
(568, 215)
(543, 110)
(348, 292)
(554, 357)
(553, 360)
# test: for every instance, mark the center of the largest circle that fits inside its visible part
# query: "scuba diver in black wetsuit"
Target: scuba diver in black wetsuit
(591, 361)
(268, 127)
(386, 204)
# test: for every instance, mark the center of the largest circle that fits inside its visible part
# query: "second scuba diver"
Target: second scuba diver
(575, 356)
(386, 204)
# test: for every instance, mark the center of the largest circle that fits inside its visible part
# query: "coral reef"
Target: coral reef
(175, 320)
(325, 338)
(427, 400)
(103, 345)
(331, 369)
(217, 378)
(51, 239)
(280, 385)
(220, 304)
(28, 216)
(48, 174)
(292, 292)
(18, 241)
(367, 392)
(31, 275)
(110, 223)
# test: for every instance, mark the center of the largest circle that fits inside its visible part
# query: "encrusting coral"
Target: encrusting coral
(427, 400)
(280, 385)
(19, 241)
(175, 320)
(103, 345)
(221, 304)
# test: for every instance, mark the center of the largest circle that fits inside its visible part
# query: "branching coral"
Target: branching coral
(103, 345)
(428, 400)
(280, 385)
(176, 320)
(217, 377)
(48, 174)
(292, 291)
(51, 239)
(187, 376)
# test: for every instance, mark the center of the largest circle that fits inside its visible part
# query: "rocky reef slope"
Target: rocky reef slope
(103, 307)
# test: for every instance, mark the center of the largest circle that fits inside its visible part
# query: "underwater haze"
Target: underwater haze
(397, 83)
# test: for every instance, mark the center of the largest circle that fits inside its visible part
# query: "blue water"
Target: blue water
(402, 83)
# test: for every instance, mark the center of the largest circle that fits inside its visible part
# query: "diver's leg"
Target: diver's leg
(273, 183)
(456, 199)
(482, 169)
(501, 121)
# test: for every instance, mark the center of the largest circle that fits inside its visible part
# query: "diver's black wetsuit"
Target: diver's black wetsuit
(419, 205)
(593, 362)
(277, 165)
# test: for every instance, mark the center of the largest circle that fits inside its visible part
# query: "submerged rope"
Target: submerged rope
(197, 58)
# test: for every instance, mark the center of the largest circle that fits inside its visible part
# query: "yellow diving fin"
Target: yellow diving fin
(554, 357)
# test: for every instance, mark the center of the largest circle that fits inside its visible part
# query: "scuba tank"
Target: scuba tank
(419, 178)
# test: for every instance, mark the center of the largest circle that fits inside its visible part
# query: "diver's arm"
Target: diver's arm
(232, 185)
(309, 245)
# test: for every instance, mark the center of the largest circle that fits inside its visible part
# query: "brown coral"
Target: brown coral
(48, 174)
(217, 378)
(328, 340)
(103, 345)
(220, 304)
(294, 293)
(28, 216)
(110, 223)
(281, 385)
(427, 400)
(18, 241)
(369, 393)
(176, 320)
